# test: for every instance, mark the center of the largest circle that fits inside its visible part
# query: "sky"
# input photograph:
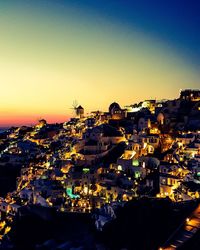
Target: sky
(53, 52)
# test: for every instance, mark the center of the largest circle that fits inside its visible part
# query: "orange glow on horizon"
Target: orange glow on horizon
(20, 120)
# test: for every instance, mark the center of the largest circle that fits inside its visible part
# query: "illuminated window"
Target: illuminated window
(119, 168)
(137, 175)
(135, 163)
(86, 170)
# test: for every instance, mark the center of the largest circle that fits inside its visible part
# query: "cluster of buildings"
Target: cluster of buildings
(147, 149)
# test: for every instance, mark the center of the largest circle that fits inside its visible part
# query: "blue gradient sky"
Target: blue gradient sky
(55, 51)
(174, 22)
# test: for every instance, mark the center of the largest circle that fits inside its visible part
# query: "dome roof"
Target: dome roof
(114, 105)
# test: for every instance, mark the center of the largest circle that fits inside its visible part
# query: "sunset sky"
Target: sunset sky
(53, 52)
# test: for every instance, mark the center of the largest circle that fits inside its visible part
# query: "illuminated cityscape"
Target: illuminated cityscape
(99, 125)
(94, 164)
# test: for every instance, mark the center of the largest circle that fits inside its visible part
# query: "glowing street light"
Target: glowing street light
(187, 220)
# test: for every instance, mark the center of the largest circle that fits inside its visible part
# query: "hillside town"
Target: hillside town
(94, 163)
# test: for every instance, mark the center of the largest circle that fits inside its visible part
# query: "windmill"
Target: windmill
(74, 108)
(77, 109)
